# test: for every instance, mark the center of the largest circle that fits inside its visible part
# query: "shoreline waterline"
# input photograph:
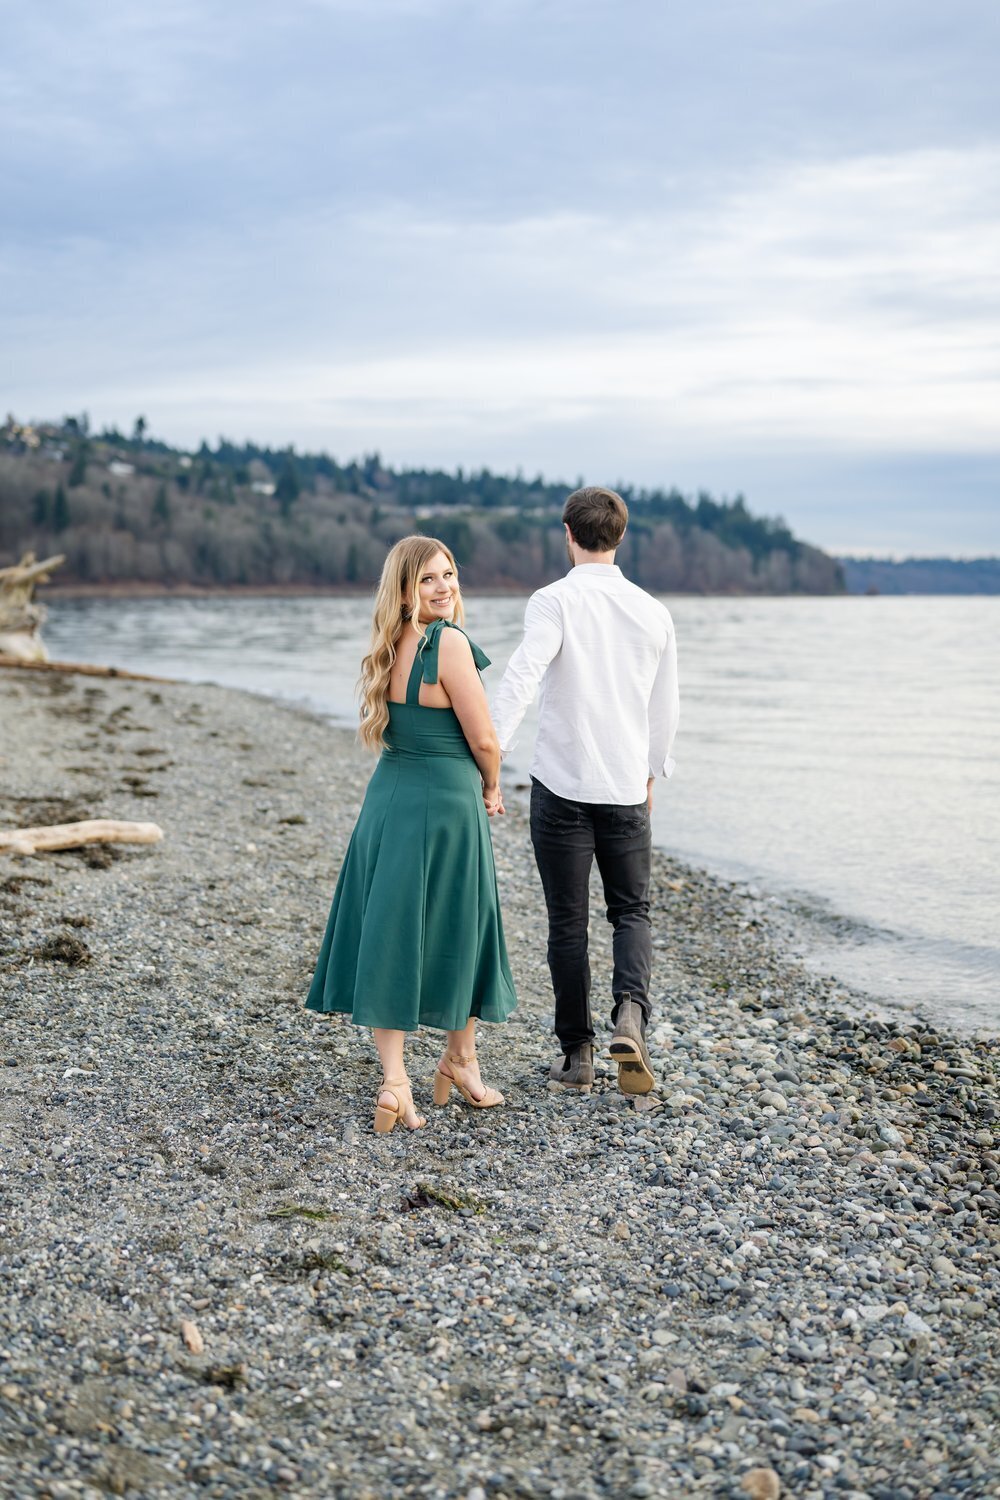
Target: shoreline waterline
(55, 592)
(798, 768)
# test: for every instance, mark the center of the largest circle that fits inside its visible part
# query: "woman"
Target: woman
(415, 935)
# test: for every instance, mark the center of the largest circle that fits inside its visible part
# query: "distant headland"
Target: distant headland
(922, 575)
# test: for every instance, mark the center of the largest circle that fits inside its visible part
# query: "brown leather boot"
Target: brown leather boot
(628, 1050)
(575, 1070)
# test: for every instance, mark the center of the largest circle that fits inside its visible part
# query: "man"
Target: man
(604, 654)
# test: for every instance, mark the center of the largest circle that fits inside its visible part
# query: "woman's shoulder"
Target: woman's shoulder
(457, 646)
(453, 637)
(439, 631)
(449, 643)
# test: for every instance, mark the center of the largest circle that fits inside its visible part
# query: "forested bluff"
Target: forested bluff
(129, 510)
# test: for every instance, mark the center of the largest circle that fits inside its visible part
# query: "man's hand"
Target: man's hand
(649, 793)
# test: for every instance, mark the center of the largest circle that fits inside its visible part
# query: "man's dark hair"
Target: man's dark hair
(596, 517)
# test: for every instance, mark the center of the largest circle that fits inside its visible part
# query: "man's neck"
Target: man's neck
(583, 559)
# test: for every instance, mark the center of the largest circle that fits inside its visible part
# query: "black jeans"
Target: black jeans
(566, 838)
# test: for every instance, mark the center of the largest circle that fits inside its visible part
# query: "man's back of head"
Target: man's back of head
(596, 518)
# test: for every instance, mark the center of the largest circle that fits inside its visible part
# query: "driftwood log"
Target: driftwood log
(73, 835)
(80, 668)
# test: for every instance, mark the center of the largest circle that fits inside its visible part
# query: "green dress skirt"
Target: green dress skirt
(415, 936)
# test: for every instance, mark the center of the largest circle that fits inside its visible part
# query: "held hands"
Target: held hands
(493, 800)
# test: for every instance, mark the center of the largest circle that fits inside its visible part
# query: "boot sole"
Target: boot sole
(576, 1088)
(634, 1077)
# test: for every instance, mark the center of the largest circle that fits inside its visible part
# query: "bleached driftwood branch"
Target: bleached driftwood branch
(20, 617)
(73, 835)
(28, 572)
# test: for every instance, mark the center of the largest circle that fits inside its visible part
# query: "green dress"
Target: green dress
(415, 936)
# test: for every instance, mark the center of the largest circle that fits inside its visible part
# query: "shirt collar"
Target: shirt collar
(595, 570)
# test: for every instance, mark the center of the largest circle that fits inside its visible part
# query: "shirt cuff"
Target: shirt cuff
(666, 768)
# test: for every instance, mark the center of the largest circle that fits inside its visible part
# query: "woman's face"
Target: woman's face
(437, 589)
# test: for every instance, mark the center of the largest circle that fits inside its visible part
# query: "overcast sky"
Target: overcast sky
(740, 246)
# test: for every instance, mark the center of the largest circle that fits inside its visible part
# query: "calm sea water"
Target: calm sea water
(841, 754)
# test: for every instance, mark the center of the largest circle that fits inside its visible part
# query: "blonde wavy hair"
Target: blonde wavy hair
(399, 583)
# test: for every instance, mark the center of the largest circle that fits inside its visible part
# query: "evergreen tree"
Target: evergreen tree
(161, 506)
(288, 488)
(78, 471)
(638, 539)
(60, 511)
(40, 508)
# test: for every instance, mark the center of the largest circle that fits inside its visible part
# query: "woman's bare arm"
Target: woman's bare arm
(460, 680)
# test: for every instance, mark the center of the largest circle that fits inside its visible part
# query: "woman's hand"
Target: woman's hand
(493, 800)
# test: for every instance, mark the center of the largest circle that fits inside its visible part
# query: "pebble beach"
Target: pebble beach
(778, 1275)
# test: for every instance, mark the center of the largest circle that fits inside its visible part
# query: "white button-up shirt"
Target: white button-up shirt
(604, 654)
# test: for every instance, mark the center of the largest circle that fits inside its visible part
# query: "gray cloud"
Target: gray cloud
(729, 245)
